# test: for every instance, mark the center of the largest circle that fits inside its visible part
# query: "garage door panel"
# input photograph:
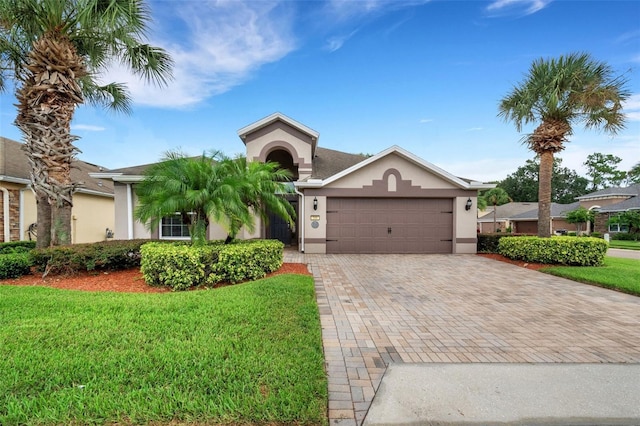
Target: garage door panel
(415, 225)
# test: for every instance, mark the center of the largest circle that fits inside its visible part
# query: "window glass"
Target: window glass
(173, 227)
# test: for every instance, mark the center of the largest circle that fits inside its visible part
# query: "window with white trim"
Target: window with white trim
(618, 227)
(174, 227)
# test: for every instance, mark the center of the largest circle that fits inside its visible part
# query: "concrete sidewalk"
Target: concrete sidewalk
(507, 394)
(627, 254)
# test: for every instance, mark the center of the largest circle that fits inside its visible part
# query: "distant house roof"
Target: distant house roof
(507, 211)
(632, 203)
(14, 167)
(557, 211)
(612, 193)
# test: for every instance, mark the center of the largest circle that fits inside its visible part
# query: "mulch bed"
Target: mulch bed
(520, 263)
(127, 281)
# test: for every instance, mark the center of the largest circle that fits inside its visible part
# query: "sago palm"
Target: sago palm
(261, 190)
(558, 94)
(55, 50)
(191, 187)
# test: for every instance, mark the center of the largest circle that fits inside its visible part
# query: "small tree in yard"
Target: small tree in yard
(579, 216)
(496, 197)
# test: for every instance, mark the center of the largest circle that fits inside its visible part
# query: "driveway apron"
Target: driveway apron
(381, 309)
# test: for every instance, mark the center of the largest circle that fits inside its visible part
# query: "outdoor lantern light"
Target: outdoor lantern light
(315, 203)
(468, 205)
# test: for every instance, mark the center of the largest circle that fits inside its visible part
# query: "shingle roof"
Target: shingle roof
(507, 211)
(328, 162)
(14, 164)
(630, 203)
(557, 211)
(612, 192)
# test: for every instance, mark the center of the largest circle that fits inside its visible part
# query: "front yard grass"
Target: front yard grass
(243, 354)
(622, 244)
(619, 274)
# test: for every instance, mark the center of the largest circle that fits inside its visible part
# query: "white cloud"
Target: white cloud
(526, 7)
(632, 107)
(88, 127)
(473, 129)
(223, 44)
(349, 9)
(336, 42)
(426, 120)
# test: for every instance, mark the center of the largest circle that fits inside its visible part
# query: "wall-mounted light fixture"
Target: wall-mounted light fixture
(468, 205)
(315, 203)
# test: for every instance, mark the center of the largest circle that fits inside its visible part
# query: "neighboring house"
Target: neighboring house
(527, 222)
(606, 203)
(610, 202)
(92, 212)
(504, 213)
(392, 202)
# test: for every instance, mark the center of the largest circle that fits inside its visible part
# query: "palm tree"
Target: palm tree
(260, 187)
(558, 94)
(495, 197)
(191, 187)
(55, 50)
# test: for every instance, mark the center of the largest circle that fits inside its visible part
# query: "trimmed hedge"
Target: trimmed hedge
(14, 265)
(106, 255)
(585, 251)
(17, 247)
(488, 243)
(625, 236)
(183, 266)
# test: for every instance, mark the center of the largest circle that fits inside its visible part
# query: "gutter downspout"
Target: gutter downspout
(301, 221)
(5, 212)
(129, 212)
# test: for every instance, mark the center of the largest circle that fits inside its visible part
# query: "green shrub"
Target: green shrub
(17, 246)
(597, 235)
(625, 236)
(572, 233)
(249, 260)
(183, 266)
(178, 266)
(488, 243)
(557, 250)
(14, 265)
(105, 255)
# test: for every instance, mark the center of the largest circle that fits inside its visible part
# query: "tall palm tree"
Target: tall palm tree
(558, 94)
(495, 197)
(55, 50)
(261, 187)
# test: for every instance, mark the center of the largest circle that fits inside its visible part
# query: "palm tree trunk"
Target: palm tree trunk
(544, 194)
(43, 220)
(46, 103)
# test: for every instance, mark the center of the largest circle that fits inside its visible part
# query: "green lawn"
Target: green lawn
(245, 354)
(620, 274)
(630, 245)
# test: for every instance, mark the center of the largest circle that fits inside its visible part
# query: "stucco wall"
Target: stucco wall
(376, 170)
(465, 232)
(90, 217)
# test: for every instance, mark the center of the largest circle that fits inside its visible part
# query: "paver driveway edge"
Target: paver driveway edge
(382, 309)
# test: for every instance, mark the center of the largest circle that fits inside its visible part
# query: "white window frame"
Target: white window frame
(175, 216)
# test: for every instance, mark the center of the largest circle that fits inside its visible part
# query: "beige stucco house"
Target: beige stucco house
(391, 202)
(92, 212)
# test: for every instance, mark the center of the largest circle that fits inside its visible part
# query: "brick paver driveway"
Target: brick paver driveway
(378, 309)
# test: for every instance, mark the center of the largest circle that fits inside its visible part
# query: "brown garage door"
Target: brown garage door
(389, 225)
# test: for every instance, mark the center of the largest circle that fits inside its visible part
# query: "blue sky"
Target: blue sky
(366, 74)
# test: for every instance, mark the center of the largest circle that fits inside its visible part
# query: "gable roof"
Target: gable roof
(328, 162)
(456, 181)
(509, 210)
(277, 116)
(614, 192)
(14, 167)
(557, 211)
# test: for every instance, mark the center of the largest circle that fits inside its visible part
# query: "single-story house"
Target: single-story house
(605, 203)
(610, 202)
(92, 213)
(527, 222)
(503, 215)
(391, 202)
